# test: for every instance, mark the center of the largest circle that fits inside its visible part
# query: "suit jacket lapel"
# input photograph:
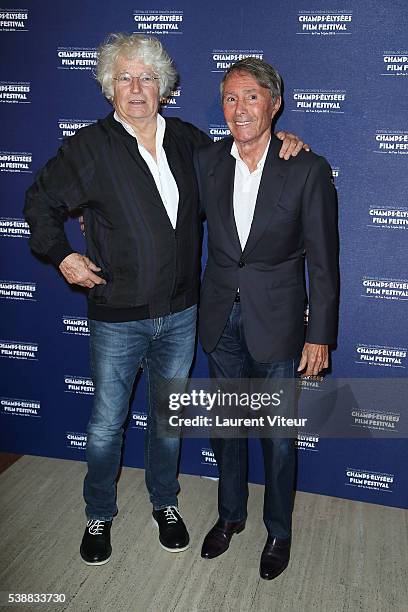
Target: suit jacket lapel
(272, 181)
(224, 174)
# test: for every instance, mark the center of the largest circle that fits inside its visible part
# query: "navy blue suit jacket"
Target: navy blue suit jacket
(295, 222)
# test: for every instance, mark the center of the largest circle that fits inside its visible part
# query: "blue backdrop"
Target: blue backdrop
(345, 71)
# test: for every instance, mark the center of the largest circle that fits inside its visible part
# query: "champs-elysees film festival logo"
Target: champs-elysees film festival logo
(173, 101)
(20, 407)
(75, 326)
(207, 457)
(139, 420)
(15, 92)
(391, 142)
(76, 58)
(395, 64)
(18, 290)
(307, 442)
(381, 356)
(158, 21)
(80, 385)
(76, 440)
(222, 59)
(16, 161)
(69, 127)
(12, 227)
(379, 288)
(367, 479)
(375, 420)
(324, 23)
(14, 20)
(27, 351)
(331, 101)
(218, 131)
(388, 217)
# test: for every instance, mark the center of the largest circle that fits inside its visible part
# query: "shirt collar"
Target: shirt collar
(161, 128)
(236, 155)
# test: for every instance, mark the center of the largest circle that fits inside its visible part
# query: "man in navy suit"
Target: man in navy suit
(265, 217)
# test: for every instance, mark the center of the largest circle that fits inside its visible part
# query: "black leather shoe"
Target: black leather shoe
(275, 557)
(173, 534)
(96, 546)
(218, 538)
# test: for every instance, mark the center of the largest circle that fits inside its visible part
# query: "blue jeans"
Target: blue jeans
(165, 346)
(231, 359)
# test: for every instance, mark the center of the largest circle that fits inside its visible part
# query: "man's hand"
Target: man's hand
(79, 270)
(315, 358)
(291, 145)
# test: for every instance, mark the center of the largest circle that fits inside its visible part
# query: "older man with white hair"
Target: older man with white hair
(132, 176)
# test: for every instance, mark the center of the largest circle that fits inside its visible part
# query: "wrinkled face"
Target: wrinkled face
(248, 108)
(135, 102)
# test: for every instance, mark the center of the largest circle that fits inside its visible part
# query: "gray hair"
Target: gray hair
(134, 46)
(263, 73)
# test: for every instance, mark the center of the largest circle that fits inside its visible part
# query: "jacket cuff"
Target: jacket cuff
(59, 252)
(318, 339)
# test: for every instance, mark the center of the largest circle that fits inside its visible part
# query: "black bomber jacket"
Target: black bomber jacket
(151, 269)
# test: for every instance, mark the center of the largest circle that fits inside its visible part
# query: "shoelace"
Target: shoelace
(95, 527)
(170, 515)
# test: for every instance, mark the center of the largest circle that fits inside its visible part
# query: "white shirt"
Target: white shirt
(160, 169)
(246, 186)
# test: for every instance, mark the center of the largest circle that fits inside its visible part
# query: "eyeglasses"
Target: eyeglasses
(145, 79)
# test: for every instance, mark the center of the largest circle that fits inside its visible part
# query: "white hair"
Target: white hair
(134, 46)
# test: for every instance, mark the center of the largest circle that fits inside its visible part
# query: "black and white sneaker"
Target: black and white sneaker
(96, 546)
(173, 534)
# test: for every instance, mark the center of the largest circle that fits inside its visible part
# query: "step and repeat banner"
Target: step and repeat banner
(345, 72)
